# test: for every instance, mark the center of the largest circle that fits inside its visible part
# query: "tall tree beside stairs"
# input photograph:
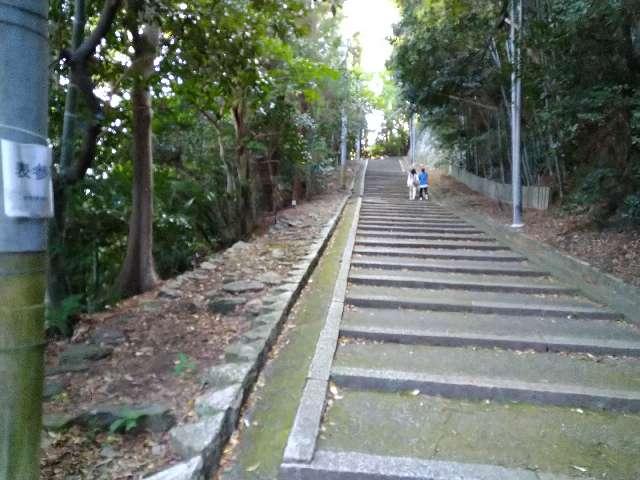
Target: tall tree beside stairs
(73, 162)
(138, 272)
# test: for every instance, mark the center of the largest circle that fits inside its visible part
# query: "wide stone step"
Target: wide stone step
(409, 227)
(485, 303)
(411, 219)
(454, 266)
(442, 244)
(443, 282)
(439, 254)
(405, 213)
(379, 435)
(403, 209)
(417, 229)
(365, 232)
(489, 330)
(501, 375)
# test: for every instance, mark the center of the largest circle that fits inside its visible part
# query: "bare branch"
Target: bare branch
(78, 62)
(108, 15)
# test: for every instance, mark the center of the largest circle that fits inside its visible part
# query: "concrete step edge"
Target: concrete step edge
(512, 342)
(486, 257)
(514, 272)
(337, 465)
(482, 388)
(447, 246)
(380, 301)
(480, 286)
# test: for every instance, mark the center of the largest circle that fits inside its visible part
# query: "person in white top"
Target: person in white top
(412, 183)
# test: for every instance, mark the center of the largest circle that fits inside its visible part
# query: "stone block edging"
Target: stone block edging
(598, 286)
(301, 444)
(229, 383)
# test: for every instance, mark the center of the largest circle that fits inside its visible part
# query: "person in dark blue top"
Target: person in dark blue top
(423, 180)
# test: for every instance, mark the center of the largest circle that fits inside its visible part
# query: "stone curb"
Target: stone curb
(360, 466)
(201, 443)
(301, 443)
(599, 286)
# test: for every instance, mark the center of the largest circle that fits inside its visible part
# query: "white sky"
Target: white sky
(374, 20)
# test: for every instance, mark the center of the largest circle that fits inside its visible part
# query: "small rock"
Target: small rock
(107, 452)
(254, 306)
(80, 352)
(208, 265)
(52, 389)
(227, 374)
(277, 253)
(55, 422)
(66, 368)
(244, 351)
(286, 288)
(169, 293)
(153, 418)
(158, 450)
(259, 333)
(195, 438)
(190, 470)
(238, 247)
(187, 306)
(270, 278)
(225, 305)
(267, 318)
(215, 401)
(243, 286)
(153, 306)
(108, 336)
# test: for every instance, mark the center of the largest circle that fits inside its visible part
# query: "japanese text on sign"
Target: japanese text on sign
(26, 180)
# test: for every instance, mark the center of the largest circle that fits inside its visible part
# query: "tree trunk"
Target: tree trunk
(138, 272)
(245, 211)
(58, 287)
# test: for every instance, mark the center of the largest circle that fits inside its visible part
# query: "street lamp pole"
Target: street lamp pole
(515, 38)
(25, 203)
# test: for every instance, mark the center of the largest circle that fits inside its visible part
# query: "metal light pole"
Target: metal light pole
(343, 146)
(516, 109)
(24, 56)
(412, 138)
(344, 119)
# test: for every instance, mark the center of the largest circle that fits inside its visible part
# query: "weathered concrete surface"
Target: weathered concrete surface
(271, 415)
(539, 438)
(435, 306)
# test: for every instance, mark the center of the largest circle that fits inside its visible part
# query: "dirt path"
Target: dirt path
(614, 250)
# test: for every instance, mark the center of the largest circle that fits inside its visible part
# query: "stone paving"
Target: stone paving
(448, 356)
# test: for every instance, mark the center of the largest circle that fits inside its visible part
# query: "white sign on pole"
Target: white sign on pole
(26, 179)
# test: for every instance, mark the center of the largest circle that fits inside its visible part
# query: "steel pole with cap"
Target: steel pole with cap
(515, 37)
(25, 205)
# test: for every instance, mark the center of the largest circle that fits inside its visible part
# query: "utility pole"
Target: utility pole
(343, 122)
(515, 40)
(343, 146)
(412, 138)
(25, 205)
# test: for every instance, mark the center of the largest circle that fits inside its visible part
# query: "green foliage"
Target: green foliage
(631, 208)
(237, 84)
(60, 319)
(184, 365)
(581, 83)
(129, 420)
(595, 185)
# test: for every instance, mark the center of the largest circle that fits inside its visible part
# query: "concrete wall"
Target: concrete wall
(532, 197)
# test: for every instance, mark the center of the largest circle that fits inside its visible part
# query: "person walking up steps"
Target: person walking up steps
(412, 183)
(423, 181)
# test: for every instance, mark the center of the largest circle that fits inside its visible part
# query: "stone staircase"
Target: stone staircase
(459, 359)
